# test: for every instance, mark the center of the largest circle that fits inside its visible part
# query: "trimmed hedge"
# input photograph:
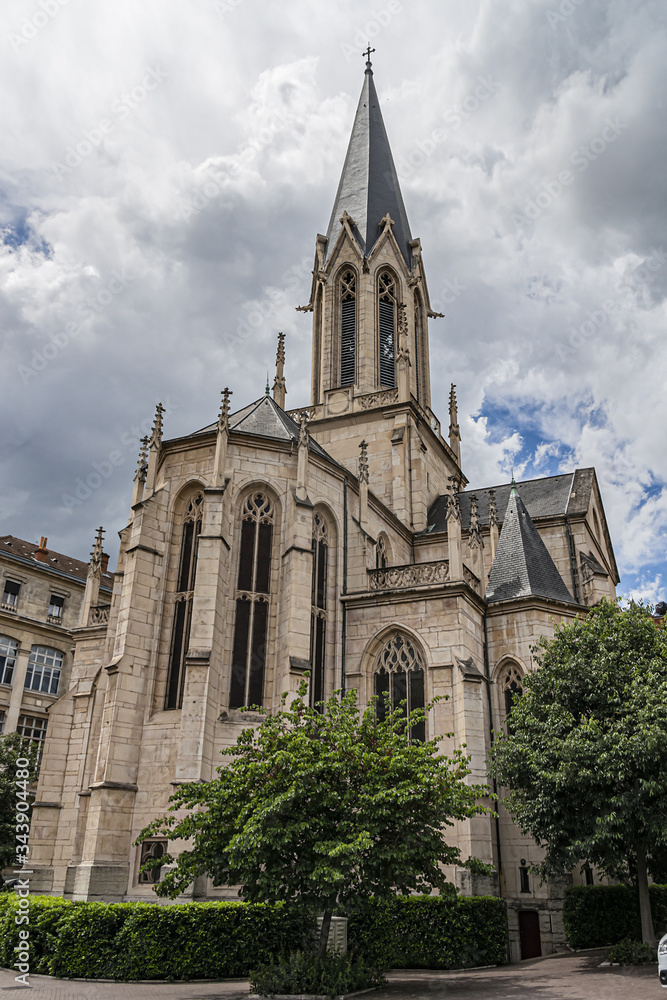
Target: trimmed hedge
(127, 941)
(430, 932)
(147, 941)
(599, 915)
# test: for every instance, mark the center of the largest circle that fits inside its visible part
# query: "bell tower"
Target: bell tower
(370, 305)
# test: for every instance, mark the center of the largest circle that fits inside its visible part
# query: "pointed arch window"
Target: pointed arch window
(400, 674)
(348, 328)
(187, 569)
(252, 603)
(387, 329)
(512, 688)
(318, 614)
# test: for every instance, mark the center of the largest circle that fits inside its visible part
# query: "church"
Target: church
(342, 539)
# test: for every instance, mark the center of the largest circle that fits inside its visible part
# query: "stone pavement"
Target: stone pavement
(566, 977)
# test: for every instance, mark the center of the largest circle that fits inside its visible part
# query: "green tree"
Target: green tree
(322, 809)
(585, 756)
(16, 786)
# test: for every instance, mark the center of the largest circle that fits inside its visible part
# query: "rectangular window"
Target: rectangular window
(56, 605)
(10, 597)
(44, 667)
(179, 642)
(258, 653)
(317, 647)
(417, 732)
(3, 719)
(8, 653)
(524, 879)
(589, 875)
(32, 727)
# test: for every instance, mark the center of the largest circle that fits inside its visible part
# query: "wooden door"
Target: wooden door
(529, 934)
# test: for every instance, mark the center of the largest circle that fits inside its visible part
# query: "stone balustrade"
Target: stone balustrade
(413, 575)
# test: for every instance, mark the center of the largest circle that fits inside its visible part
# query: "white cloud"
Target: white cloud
(258, 104)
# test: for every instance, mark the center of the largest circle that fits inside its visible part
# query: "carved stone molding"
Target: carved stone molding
(402, 577)
(372, 399)
(99, 614)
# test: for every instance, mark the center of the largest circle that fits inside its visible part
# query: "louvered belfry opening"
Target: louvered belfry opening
(252, 603)
(418, 332)
(348, 328)
(387, 329)
(187, 569)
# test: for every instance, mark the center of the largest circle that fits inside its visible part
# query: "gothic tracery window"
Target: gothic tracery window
(348, 331)
(512, 687)
(400, 674)
(318, 615)
(252, 603)
(187, 569)
(387, 329)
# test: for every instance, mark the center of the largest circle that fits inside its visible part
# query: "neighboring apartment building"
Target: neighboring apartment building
(41, 598)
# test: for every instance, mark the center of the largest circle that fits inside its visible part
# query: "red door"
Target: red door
(529, 933)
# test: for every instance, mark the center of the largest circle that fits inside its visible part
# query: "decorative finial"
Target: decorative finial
(513, 488)
(156, 433)
(363, 462)
(142, 463)
(303, 428)
(474, 513)
(367, 53)
(279, 385)
(95, 564)
(267, 390)
(493, 510)
(223, 419)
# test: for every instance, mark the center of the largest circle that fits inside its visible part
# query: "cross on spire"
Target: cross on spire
(367, 53)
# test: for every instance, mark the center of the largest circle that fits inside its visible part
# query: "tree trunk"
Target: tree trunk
(648, 934)
(324, 933)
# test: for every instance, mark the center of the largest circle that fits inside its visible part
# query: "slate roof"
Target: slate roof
(369, 187)
(264, 418)
(23, 551)
(522, 566)
(566, 494)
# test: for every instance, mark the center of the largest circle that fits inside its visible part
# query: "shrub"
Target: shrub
(148, 941)
(304, 972)
(430, 932)
(600, 915)
(629, 952)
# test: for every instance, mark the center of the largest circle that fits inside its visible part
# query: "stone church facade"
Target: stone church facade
(340, 539)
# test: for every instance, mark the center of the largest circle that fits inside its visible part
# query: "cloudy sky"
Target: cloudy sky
(166, 166)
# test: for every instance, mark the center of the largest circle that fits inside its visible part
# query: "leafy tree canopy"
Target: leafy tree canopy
(585, 755)
(322, 808)
(16, 785)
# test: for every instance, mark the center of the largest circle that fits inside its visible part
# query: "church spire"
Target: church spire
(369, 190)
(279, 389)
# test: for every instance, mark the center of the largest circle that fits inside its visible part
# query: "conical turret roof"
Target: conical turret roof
(369, 187)
(522, 566)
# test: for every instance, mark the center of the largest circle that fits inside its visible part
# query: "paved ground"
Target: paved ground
(570, 977)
